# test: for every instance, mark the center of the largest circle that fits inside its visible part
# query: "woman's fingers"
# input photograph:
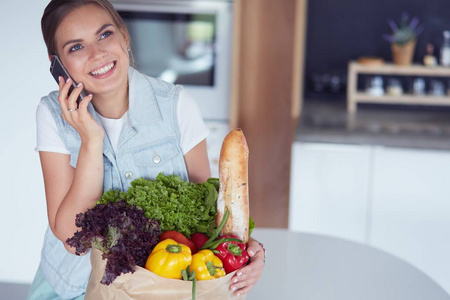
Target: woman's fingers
(247, 277)
(244, 283)
(63, 91)
(73, 96)
(68, 101)
(70, 109)
(243, 288)
(253, 248)
(85, 102)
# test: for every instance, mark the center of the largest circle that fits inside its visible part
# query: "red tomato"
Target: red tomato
(179, 238)
(199, 239)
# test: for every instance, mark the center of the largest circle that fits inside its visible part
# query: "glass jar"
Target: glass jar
(418, 87)
(437, 88)
(374, 86)
(394, 87)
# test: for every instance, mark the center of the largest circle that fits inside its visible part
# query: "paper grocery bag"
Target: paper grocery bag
(144, 285)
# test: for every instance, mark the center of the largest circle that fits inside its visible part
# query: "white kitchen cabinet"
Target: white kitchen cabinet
(329, 190)
(397, 200)
(411, 208)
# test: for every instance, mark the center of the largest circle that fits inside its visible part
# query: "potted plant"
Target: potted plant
(403, 39)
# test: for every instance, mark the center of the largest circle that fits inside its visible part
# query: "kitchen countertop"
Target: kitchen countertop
(325, 120)
(317, 267)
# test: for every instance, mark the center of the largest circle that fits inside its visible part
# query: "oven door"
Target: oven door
(187, 43)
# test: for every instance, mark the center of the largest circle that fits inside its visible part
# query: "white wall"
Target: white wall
(24, 78)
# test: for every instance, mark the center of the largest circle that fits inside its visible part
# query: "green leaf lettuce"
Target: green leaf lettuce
(175, 203)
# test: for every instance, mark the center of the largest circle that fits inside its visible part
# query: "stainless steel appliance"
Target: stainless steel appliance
(186, 42)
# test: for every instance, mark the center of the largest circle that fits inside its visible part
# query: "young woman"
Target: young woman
(129, 126)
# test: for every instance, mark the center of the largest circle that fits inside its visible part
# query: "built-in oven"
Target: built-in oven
(185, 42)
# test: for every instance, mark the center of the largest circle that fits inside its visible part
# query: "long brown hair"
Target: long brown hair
(57, 10)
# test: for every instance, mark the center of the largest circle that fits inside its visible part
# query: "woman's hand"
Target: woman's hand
(246, 277)
(79, 118)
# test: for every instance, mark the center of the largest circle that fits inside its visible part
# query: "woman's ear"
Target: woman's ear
(50, 57)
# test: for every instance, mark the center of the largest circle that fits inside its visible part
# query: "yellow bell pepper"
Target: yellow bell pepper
(206, 265)
(168, 259)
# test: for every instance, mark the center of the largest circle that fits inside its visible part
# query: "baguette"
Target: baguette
(233, 191)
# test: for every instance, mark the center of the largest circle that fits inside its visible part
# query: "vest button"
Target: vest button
(156, 159)
(128, 174)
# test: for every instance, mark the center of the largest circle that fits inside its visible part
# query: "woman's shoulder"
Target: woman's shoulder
(51, 102)
(159, 86)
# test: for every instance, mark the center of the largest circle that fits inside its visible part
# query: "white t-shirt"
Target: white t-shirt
(190, 122)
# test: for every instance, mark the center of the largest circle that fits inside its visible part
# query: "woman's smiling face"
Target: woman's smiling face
(93, 50)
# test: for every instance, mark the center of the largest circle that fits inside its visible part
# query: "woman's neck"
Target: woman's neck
(113, 105)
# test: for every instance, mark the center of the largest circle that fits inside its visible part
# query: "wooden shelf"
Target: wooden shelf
(390, 69)
(354, 96)
(404, 99)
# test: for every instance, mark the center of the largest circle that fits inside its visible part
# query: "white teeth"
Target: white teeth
(103, 70)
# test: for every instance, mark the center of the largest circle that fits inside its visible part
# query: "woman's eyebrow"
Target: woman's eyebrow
(71, 42)
(80, 40)
(103, 28)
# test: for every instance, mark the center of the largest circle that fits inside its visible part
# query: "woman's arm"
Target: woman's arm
(70, 191)
(197, 163)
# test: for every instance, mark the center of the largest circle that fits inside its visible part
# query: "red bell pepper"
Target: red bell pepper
(233, 254)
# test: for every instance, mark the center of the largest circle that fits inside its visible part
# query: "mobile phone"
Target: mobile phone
(57, 69)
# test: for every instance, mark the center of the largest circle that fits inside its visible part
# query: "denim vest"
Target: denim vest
(149, 143)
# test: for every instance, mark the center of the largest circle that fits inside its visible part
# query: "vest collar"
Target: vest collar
(143, 107)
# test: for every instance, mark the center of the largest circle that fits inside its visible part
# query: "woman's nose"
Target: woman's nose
(97, 53)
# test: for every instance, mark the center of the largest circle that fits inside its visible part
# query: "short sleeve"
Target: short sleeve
(190, 122)
(47, 138)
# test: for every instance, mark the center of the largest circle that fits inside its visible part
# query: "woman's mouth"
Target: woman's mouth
(104, 70)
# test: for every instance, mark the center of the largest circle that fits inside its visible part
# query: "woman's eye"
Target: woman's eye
(75, 48)
(105, 34)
